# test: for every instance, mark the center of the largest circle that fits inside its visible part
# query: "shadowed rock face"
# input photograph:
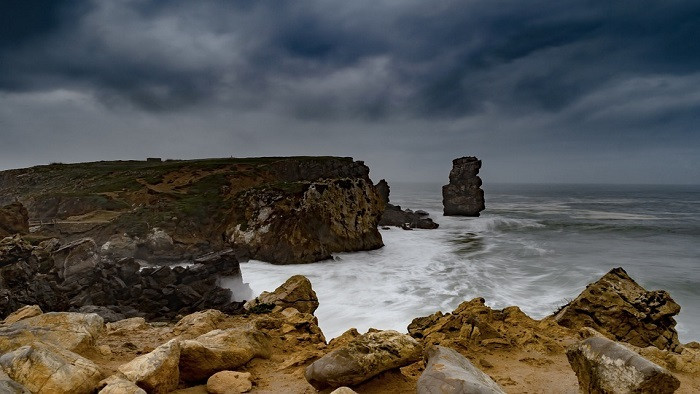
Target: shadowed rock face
(407, 219)
(14, 219)
(463, 195)
(619, 308)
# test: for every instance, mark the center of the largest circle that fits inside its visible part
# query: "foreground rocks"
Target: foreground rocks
(463, 195)
(156, 372)
(621, 309)
(363, 358)
(407, 219)
(448, 372)
(73, 331)
(604, 366)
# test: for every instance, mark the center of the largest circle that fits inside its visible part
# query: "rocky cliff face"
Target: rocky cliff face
(284, 210)
(463, 195)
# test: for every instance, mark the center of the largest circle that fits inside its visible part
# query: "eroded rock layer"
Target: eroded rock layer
(463, 195)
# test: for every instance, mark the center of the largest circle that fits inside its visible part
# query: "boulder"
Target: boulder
(127, 326)
(45, 368)
(362, 359)
(14, 219)
(118, 385)
(448, 372)
(621, 309)
(9, 386)
(296, 293)
(393, 215)
(159, 242)
(119, 246)
(463, 195)
(107, 314)
(14, 249)
(343, 390)
(221, 350)
(604, 366)
(76, 257)
(22, 313)
(156, 372)
(229, 382)
(198, 323)
(73, 331)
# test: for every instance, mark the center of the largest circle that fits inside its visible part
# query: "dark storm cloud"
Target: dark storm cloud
(570, 75)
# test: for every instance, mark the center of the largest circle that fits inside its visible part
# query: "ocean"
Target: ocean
(535, 246)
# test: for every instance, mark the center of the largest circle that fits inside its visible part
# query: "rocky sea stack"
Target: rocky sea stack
(463, 195)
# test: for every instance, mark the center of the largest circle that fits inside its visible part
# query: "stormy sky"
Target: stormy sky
(541, 91)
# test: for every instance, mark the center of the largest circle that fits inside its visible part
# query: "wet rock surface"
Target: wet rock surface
(407, 219)
(621, 309)
(604, 366)
(463, 196)
(295, 293)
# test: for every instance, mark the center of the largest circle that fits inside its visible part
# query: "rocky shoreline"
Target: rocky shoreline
(273, 343)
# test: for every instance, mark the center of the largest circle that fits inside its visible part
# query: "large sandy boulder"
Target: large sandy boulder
(221, 350)
(46, 368)
(156, 372)
(76, 332)
(363, 358)
(296, 293)
(229, 382)
(198, 323)
(604, 366)
(127, 326)
(22, 313)
(448, 372)
(9, 386)
(620, 309)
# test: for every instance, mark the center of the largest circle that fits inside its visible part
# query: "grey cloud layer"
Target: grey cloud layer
(536, 79)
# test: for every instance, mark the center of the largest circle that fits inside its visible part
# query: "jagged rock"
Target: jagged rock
(14, 219)
(603, 366)
(320, 218)
(73, 331)
(198, 323)
(475, 324)
(119, 246)
(118, 385)
(76, 257)
(296, 293)
(393, 215)
(293, 325)
(362, 359)
(463, 195)
(156, 372)
(229, 382)
(221, 350)
(22, 313)
(45, 368)
(9, 386)
(448, 372)
(127, 326)
(621, 309)
(14, 249)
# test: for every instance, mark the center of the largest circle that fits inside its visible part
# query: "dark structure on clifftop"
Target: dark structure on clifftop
(463, 195)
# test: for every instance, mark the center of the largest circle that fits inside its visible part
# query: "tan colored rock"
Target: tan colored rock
(198, 323)
(156, 372)
(76, 332)
(604, 366)
(296, 293)
(229, 382)
(362, 359)
(448, 372)
(220, 350)
(9, 386)
(46, 368)
(22, 313)
(118, 385)
(619, 308)
(127, 326)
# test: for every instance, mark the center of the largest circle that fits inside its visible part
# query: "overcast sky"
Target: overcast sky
(541, 91)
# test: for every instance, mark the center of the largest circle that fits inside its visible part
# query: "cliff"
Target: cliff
(282, 210)
(463, 195)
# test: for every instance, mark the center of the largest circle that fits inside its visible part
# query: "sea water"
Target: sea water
(535, 246)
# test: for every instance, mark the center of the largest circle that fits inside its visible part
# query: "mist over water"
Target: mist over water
(535, 246)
